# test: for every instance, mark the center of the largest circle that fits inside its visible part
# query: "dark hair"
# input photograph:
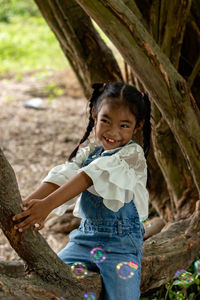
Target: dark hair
(137, 102)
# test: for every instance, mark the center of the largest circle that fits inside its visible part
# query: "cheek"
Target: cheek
(98, 128)
(129, 133)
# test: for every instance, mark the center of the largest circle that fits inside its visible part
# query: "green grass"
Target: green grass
(27, 44)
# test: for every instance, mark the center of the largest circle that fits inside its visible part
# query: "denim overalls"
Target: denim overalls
(119, 234)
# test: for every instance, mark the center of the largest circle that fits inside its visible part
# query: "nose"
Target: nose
(114, 131)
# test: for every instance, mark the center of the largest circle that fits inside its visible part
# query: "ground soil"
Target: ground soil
(36, 140)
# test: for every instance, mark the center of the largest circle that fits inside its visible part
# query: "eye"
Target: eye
(104, 121)
(124, 126)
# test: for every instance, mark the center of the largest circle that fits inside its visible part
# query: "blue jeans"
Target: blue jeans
(121, 242)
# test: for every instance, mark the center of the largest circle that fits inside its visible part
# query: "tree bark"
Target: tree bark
(167, 28)
(167, 89)
(50, 277)
(182, 192)
(88, 55)
(174, 248)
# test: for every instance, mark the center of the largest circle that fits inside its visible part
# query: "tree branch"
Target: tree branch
(172, 29)
(194, 73)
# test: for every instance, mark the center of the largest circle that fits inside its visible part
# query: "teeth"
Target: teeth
(110, 140)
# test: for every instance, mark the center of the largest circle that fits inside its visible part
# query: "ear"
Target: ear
(138, 127)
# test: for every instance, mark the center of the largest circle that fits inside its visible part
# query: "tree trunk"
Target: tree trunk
(168, 27)
(180, 186)
(88, 55)
(47, 276)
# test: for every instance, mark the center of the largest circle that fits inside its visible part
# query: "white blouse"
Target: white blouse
(118, 178)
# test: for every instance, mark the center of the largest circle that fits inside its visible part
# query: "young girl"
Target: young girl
(111, 181)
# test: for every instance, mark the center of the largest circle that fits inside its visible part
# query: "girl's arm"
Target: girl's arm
(42, 191)
(37, 210)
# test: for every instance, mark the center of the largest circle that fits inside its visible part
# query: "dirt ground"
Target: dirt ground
(36, 140)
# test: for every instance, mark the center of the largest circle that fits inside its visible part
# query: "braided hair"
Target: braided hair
(97, 91)
(137, 102)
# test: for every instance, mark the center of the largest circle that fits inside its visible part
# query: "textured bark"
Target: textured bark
(168, 27)
(158, 192)
(190, 51)
(50, 277)
(90, 58)
(180, 186)
(155, 17)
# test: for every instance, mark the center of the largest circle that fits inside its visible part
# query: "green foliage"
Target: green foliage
(28, 43)
(13, 8)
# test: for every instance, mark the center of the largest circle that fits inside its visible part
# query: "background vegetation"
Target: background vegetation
(26, 42)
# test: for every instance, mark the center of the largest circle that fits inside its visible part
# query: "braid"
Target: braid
(98, 89)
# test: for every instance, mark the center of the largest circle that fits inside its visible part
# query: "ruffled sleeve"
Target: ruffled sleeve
(62, 173)
(120, 178)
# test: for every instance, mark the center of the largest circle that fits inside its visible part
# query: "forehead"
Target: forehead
(115, 107)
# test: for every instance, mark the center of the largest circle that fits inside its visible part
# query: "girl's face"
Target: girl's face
(114, 124)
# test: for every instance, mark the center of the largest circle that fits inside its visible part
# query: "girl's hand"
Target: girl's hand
(35, 212)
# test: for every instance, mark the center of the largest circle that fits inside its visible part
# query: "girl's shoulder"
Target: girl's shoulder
(130, 149)
(133, 155)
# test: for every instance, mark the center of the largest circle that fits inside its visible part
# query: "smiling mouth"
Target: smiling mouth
(110, 141)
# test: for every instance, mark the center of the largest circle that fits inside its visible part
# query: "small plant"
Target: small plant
(185, 286)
